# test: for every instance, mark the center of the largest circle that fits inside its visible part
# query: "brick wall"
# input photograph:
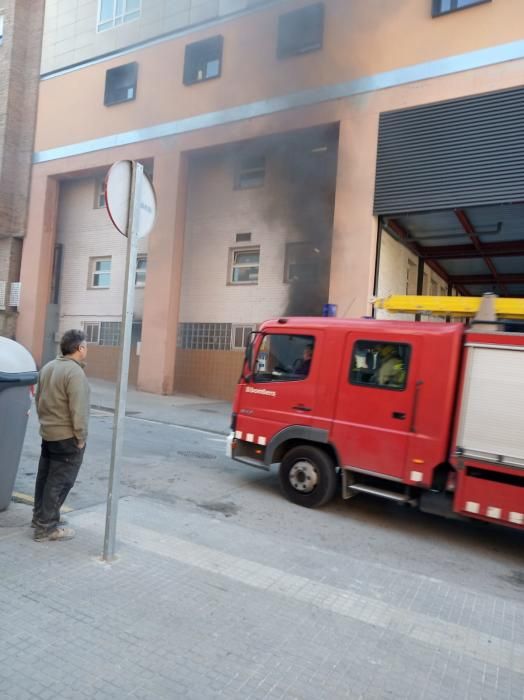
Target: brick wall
(19, 80)
(102, 363)
(211, 373)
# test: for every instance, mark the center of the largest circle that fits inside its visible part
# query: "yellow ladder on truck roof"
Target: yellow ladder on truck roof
(461, 307)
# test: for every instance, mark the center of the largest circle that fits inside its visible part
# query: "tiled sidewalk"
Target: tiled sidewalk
(200, 607)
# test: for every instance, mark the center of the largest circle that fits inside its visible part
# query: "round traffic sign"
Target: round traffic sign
(117, 192)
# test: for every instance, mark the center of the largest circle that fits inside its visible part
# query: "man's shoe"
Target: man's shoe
(58, 533)
(62, 521)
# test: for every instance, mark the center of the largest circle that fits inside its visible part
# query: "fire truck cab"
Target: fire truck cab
(426, 413)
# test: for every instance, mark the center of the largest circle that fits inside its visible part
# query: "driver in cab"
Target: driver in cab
(302, 364)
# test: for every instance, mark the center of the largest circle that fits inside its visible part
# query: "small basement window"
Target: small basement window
(301, 31)
(203, 60)
(121, 84)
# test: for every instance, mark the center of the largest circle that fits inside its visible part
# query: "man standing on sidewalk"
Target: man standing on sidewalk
(62, 404)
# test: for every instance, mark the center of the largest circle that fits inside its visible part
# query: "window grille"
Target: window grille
(204, 336)
(110, 333)
(14, 294)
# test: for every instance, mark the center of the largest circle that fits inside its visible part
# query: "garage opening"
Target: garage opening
(450, 198)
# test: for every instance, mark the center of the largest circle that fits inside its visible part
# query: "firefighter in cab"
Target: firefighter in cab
(391, 370)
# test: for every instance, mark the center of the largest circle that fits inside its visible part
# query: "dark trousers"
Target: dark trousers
(58, 468)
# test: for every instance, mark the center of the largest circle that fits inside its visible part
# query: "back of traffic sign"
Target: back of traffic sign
(117, 192)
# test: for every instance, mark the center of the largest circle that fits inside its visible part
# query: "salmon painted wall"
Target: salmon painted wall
(360, 39)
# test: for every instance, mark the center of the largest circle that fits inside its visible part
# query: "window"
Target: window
(250, 172)
(302, 263)
(380, 364)
(141, 267)
(204, 336)
(443, 7)
(203, 60)
(240, 336)
(109, 333)
(301, 31)
(244, 264)
(92, 331)
(112, 13)
(284, 358)
(100, 200)
(100, 273)
(121, 84)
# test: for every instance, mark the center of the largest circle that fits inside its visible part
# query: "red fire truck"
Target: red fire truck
(426, 413)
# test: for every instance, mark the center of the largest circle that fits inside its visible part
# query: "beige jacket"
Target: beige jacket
(62, 400)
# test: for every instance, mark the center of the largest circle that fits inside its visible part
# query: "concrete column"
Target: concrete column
(156, 371)
(355, 227)
(37, 263)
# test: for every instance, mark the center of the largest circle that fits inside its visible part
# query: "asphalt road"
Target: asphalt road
(187, 468)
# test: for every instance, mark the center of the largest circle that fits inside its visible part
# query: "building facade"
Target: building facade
(302, 153)
(20, 42)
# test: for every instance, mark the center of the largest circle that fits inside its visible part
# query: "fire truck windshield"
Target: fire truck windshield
(283, 357)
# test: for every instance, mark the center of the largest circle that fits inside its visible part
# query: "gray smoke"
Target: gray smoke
(303, 165)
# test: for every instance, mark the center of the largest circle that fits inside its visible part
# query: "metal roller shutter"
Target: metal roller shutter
(457, 153)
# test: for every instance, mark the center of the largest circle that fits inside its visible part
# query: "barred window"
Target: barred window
(240, 336)
(92, 331)
(110, 333)
(204, 336)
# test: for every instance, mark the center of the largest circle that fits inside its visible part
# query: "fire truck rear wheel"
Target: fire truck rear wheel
(307, 476)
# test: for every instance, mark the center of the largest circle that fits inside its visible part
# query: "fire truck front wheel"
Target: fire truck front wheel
(307, 476)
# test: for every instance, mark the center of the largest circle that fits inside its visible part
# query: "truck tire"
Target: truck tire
(307, 476)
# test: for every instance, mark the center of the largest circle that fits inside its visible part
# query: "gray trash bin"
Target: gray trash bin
(17, 374)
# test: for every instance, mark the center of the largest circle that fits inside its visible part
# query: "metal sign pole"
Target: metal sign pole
(121, 391)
